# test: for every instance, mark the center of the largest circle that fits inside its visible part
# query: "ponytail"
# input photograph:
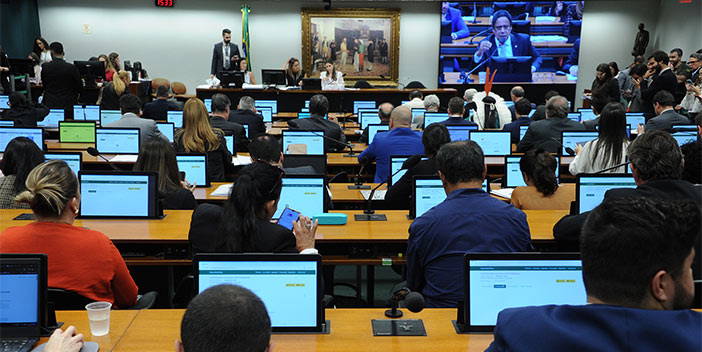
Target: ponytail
(540, 166)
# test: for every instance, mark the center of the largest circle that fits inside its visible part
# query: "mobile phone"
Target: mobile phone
(182, 176)
(689, 81)
(288, 217)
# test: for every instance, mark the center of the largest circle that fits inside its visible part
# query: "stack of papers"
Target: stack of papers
(241, 160)
(222, 191)
(504, 192)
(378, 195)
(545, 19)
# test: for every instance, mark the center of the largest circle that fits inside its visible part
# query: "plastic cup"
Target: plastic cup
(99, 316)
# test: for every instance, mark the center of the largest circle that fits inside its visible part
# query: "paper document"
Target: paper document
(251, 86)
(212, 82)
(124, 158)
(545, 19)
(504, 192)
(222, 191)
(378, 195)
(241, 160)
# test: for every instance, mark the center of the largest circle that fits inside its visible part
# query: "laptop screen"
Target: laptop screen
(123, 194)
(680, 128)
(7, 134)
(590, 189)
(266, 112)
(86, 112)
(460, 132)
(493, 143)
(587, 114)
(573, 138)
(167, 128)
(433, 117)
(374, 129)
(396, 162)
(230, 143)
(428, 192)
(508, 280)
(117, 140)
(273, 104)
(303, 194)
(366, 118)
(513, 175)
(363, 104)
(522, 131)
(634, 119)
(303, 142)
(72, 159)
(77, 132)
(288, 285)
(683, 137)
(109, 116)
(418, 112)
(195, 168)
(19, 297)
(52, 119)
(246, 129)
(208, 105)
(4, 102)
(7, 123)
(575, 116)
(175, 117)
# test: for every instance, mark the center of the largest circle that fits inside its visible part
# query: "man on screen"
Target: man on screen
(452, 17)
(504, 43)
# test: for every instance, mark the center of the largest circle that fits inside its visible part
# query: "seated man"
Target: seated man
(265, 147)
(416, 100)
(246, 114)
(639, 290)
(522, 108)
(469, 220)
(220, 114)
(504, 43)
(130, 106)
(455, 111)
(159, 108)
(431, 104)
(384, 111)
(599, 100)
(540, 111)
(666, 116)
(516, 94)
(546, 133)
(400, 140)
(319, 107)
(225, 318)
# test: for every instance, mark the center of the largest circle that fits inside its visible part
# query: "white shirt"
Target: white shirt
(504, 50)
(329, 84)
(45, 57)
(583, 160)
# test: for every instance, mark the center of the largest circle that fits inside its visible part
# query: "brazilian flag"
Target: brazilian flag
(245, 34)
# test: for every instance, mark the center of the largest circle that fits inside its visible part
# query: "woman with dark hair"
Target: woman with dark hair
(605, 82)
(23, 112)
(248, 75)
(109, 69)
(41, 48)
(293, 73)
(609, 149)
(36, 66)
(542, 190)
(158, 155)
(113, 58)
(20, 157)
(331, 78)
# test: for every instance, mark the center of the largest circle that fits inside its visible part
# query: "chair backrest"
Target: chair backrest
(157, 82)
(362, 84)
(415, 85)
(67, 300)
(178, 88)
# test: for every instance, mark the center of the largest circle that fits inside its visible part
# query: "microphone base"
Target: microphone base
(402, 327)
(359, 187)
(396, 314)
(370, 217)
(349, 155)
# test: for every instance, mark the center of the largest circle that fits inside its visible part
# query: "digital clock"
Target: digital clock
(164, 3)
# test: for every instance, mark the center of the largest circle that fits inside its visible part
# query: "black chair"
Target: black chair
(362, 84)
(415, 85)
(184, 292)
(69, 300)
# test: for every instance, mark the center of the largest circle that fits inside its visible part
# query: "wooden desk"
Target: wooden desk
(120, 321)
(156, 330)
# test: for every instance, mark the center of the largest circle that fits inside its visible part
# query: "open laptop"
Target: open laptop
(418, 112)
(591, 188)
(4, 102)
(427, 191)
(74, 160)
(86, 113)
(433, 117)
(124, 194)
(109, 116)
(635, 119)
(586, 114)
(230, 144)
(76, 131)
(195, 168)
(513, 175)
(460, 132)
(266, 112)
(495, 281)
(176, 118)
(273, 104)
(363, 104)
(290, 285)
(522, 131)
(303, 142)
(373, 130)
(23, 278)
(493, 143)
(7, 123)
(7, 134)
(686, 136)
(52, 119)
(117, 140)
(317, 162)
(572, 138)
(366, 118)
(396, 162)
(167, 128)
(303, 193)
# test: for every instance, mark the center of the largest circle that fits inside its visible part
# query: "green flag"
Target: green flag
(245, 34)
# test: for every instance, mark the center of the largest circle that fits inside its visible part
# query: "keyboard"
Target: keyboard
(16, 345)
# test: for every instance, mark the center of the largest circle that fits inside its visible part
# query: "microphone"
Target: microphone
(358, 184)
(414, 301)
(611, 168)
(568, 150)
(489, 29)
(369, 213)
(94, 152)
(351, 153)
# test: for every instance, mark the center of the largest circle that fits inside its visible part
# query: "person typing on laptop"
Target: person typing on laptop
(542, 191)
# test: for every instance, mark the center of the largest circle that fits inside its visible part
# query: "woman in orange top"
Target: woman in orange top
(80, 260)
(542, 190)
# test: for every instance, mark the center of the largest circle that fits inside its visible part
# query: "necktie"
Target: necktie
(226, 58)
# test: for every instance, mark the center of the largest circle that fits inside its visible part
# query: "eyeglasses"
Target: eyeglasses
(500, 28)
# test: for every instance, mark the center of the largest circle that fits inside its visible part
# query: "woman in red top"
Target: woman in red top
(80, 260)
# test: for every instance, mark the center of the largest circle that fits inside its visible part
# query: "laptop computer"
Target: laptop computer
(303, 193)
(109, 116)
(124, 194)
(460, 132)
(495, 281)
(7, 134)
(418, 112)
(167, 128)
(591, 188)
(685, 136)
(635, 119)
(273, 104)
(493, 143)
(230, 144)
(110, 140)
(522, 131)
(4, 102)
(86, 113)
(303, 142)
(434, 117)
(374, 129)
(7, 123)
(76, 131)
(208, 105)
(363, 104)
(316, 162)
(366, 118)
(290, 285)
(427, 191)
(575, 116)
(396, 162)
(586, 114)
(74, 160)
(266, 112)
(176, 118)
(195, 168)
(52, 119)
(572, 138)
(513, 175)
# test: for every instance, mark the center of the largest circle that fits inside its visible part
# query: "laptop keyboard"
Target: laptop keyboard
(16, 345)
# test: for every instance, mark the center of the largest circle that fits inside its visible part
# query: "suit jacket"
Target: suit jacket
(398, 141)
(158, 109)
(539, 113)
(458, 25)
(399, 195)
(596, 327)
(665, 121)
(666, 80)
(573, 57)
(540, 133)
(455, 120)
(364, 135)
(248, 117)
(513, 127)
(25, 117)
(521, 46)
(109, 100)
(331, 130)
(147, 128)
(218, 58)
(232, 129)
(62, 84)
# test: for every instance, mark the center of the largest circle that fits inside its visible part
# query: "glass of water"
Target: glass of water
(99, 316)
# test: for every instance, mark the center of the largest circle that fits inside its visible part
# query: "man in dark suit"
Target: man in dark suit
(452, 17)
(384, 111)
(61, 81)
(455, 111)
(571, 63)
(666, 116)
(225, 55)
(159, 108)
(658, 77)
(541, 134)
(636, 257)
(515, 95)
(523, 107)
(540, 112)
(246, 114)
(319, 106)
(599, 100)
(219, 119)
(504, 43)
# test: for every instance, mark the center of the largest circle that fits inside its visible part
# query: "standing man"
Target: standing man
(371, 54)
(384, 51)
(344, 54)
(355, 54)
(225, 55)
(61, 81)
(658, 77)
(682, 73)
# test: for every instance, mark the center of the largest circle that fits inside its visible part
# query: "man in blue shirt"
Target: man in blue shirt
(637, 255)
(400, 140)
(469, 220)
(455, 110)
(522, 109)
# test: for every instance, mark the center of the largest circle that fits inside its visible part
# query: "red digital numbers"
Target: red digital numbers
(164, 3)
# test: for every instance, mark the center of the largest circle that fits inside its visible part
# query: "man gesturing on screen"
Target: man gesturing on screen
(504, 43)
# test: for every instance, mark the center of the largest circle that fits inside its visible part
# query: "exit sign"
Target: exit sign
(164, 3)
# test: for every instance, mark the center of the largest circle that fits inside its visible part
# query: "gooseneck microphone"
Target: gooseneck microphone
(351, 153)
(358, 184)
(369, 214)
(568, 150)
(611, 168)
(94, 152)
(414, 301)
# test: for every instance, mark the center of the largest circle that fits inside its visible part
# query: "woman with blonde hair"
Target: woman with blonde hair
(198, 137)
(109, 69)
(112, 91)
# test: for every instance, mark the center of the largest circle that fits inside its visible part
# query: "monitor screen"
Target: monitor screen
(167, 128)
(72, 159)
(417, 112)
(587, 114)
(363, 104)
(433, 117)
(20, 282)
(305, 110)
(7, 123)
(460, 132)
(195, 168)
(230, 144)
(428, 192)
(52, 119)
(366, 118)
(513, 175)
(575, 116)
(246, 129)
(77, 132)
(303, 115)
(573, 138)
(117, 140)
(176, 118)
(396, 162)
(208, 105)
(307, 104)
(683, 137)
(110, 194)
(86, 112)
(273, 104)
(4, 102)
(303, 142)
(302, 194)
(493, 143)
(522, 131)
(7, 134)
(266, 112)
(680, 128)
(109, 116)
(590, 189)
(635, 119)
(374, 129)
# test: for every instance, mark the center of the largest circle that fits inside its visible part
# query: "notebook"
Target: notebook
(117, 140)
(303, 193)
(176, 118)
(635, 118)
(427, 191)
(74, 160)
(493, 143)
(303, 142)
(195, 168)
(7, 134)
(167, 128)
(418, 112)
(434, 117)
(86, 112)
(591, 188)
(513, 175)
(125, 194)
(77, 131)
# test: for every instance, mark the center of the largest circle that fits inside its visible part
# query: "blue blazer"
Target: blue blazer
(398, 141)
(521, 46)
(458, 26)
(596, 327)
(454, 120)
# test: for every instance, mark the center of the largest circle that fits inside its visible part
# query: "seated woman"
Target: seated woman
(542, 190)
(248, 75)
(198, 136)
(80, 260)
(158, 155)
(331, 78)
(293, 73)
(609, 149)
(21, 156)
(112, 91)
(23, 112)
(109, 69)
(244, 224)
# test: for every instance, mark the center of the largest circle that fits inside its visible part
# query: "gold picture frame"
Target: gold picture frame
(370, 22)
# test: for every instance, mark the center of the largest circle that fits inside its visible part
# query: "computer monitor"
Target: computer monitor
(303, 193)
(460, 132)
(273, 104)
(176, 118)
(575, 116)
(86, 112)
(266, 112)
(522, 131)
(433, 117)
(52, 119)
(366, 118)
(117, 140)
(493, 143)
(273, 77)
(683, 137)
(418, 112)
(307, 104)
(167, 128)
(572, 138)
(496, 281)
(76, 131)
(303, 115)
(586, 114)
(635, 119)
(363, 104)
(23, 278)
(318, 163)
(7, 123)
(90, 71)
(208, 105)
(396, 162)
(246, 129)
(681, 128)
(303, 142)
(591, 188)
(513, 175)
(232, 79)
(311, 84)
(509, 103)
(230, 144)
(109, 116)
(74, 160)
(7, 134)
(289, 285)
(195, 168)
(427, 191)
(4, 102)
(373, 130)
(124, 194)
(305, 110)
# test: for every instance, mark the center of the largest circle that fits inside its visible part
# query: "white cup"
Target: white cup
(99, 316)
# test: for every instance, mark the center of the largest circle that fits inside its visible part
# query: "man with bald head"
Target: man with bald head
(400, 140)
(384, 111)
